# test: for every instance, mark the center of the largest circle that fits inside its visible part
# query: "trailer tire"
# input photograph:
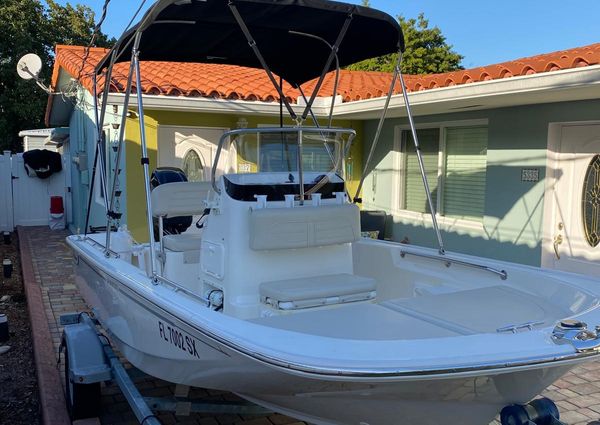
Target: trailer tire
(83, 400)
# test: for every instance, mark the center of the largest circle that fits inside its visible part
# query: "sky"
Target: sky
(484, 32)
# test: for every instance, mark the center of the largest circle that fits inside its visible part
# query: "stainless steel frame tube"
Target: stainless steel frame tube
(421, 164)
(145, 160)
(119, 151)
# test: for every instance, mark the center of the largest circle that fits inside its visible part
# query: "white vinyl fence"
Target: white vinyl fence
(24, 200)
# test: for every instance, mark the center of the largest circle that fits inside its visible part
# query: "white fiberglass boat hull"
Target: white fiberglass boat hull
(175, 348)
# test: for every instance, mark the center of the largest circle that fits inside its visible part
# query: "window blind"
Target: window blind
(465, 172)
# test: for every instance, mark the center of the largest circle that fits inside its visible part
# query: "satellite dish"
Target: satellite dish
(29, 66)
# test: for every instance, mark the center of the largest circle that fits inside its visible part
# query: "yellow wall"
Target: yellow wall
(136, 201)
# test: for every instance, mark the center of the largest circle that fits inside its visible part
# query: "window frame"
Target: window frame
(399, 176)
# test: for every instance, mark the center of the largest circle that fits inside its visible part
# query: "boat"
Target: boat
(279, 298)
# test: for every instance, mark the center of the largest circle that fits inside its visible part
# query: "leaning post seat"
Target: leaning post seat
(304, 228)
(180, 199)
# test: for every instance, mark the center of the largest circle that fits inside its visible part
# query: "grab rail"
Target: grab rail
(107, 251)
(449, 261)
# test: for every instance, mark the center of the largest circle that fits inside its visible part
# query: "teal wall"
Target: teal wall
(512, 223)
(83, 140)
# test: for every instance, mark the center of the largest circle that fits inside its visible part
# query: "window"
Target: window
(455, 161)
(192, 166)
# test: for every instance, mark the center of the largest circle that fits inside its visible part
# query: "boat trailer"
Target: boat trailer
(90, 360)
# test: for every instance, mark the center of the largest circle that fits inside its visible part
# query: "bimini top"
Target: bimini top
(207, 31)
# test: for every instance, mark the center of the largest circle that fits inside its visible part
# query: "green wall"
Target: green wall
(512, 224)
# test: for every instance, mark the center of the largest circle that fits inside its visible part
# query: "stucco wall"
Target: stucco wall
(512, 224)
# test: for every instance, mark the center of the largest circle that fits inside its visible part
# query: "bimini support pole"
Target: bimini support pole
(332, 56)
(337, 74)
(101, 141)
(91, 188)
(398, 75)
(98, 158)
(316, 124)
(300, 166)
(378, 132)
(259, 56)
(413, 130)
(112, 215)
(145, 160)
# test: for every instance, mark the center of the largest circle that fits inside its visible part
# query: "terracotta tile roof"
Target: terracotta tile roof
(173, 78)
(355, 85)
(233, 82)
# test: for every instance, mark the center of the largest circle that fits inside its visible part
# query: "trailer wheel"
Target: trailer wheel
(83, 400)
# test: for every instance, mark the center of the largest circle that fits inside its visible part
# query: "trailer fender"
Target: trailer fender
(87, 362)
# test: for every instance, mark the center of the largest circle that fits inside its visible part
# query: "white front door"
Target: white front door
(572, 236)
(193, 149)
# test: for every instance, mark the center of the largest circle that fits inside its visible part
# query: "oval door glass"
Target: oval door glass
(193, 167)
(591, 203)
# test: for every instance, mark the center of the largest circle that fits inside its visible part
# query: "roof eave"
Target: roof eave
(209, 105)
(549, 87)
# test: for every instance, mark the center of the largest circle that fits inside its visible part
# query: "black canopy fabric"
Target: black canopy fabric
(206, 31)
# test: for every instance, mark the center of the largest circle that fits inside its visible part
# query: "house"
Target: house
(510, 149)
(44, 138)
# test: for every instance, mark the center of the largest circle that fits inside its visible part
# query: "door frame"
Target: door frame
(552, 160)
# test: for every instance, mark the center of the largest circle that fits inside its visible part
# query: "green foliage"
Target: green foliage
(426, 51)
(74, 24)
(27, 26)
(366, 3)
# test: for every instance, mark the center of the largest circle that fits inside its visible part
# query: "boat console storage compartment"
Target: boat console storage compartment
(303, 227)
(294, 294)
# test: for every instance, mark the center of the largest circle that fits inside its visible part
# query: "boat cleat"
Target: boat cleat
(577, 334)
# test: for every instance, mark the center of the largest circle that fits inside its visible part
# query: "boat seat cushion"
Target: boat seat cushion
(303, 227)
(184, 242)
(315, 291)
(179, 199)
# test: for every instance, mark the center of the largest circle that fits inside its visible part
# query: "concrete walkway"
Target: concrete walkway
(48, 271)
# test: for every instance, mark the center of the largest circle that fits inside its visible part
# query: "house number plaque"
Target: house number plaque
(530, 175)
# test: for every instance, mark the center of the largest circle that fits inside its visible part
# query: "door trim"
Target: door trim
(552, 159)
(186, 127)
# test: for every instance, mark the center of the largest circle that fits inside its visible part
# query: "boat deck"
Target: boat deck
(482, 310)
